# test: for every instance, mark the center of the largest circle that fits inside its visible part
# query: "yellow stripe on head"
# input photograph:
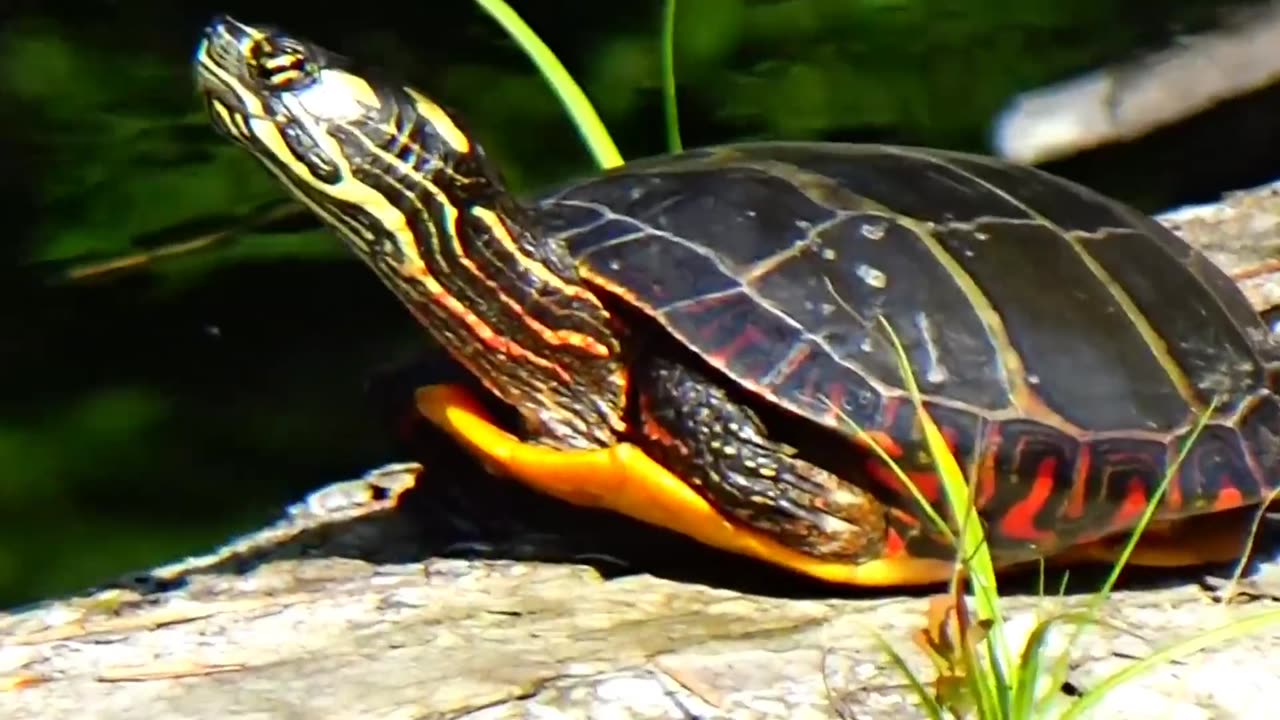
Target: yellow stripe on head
(441, 122)
(393, 174)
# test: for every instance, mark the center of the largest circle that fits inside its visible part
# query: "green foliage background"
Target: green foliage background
(150, 414)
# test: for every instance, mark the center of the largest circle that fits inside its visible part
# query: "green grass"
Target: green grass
(979, 671)
(575, 101)
(670, 110)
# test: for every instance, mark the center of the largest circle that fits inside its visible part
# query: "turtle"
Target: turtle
(708, 341)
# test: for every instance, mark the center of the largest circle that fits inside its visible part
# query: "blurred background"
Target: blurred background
(152, 413)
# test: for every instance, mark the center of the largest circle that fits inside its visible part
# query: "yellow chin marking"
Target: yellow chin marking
(625, 480)
(360, 90)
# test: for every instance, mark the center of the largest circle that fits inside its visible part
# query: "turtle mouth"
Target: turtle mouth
(222, 79)
(221, 55)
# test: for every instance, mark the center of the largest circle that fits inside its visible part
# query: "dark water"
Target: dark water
(147, 414)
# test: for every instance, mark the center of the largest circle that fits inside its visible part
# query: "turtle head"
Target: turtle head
(310, 117)
(395, 176)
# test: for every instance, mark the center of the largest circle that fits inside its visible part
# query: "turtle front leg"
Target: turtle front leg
(694, 427)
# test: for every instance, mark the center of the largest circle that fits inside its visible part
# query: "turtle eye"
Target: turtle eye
(282, 64)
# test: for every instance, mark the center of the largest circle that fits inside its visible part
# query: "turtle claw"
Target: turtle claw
(1257, 580)
(1256, 577)
(1239, 590)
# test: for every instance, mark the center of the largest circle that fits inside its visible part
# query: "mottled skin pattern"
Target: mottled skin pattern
(725, 310)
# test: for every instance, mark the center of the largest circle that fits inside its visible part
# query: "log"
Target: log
(1129, 100)
(342, 610)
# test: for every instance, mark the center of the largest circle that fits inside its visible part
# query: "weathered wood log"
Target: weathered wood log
(1127, 101)
(338, 611)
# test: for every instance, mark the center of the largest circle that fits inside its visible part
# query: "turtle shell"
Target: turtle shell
(1066, 344)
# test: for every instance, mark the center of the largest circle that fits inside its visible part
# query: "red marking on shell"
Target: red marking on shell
(894, 545)
(926, 481)
(749, 337)
(985, 482)
(1019, 523)
(1134, 504)
(1174, 499)
(1229, 498)
(1075, 507)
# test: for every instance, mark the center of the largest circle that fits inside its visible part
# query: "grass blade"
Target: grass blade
(669, 76)
(1153, 504)
(927, 701)
(1224, 633)
(1229, 590)
(575, 101)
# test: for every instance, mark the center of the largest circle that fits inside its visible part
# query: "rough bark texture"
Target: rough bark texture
(336, 612)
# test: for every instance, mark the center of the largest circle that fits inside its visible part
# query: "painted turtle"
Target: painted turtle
(691, 340)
